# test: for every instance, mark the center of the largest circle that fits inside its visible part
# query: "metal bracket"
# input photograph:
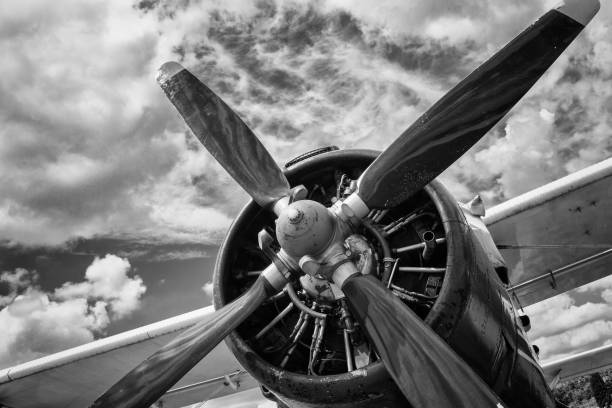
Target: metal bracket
(518, 301)
(553, 282)
(234, 385)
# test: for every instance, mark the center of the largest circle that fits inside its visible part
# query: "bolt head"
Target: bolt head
(294, 215)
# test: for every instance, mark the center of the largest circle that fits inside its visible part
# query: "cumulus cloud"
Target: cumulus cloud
(83, 128)
(561, 314)
(36, 322)
(575, 340)
(561, 326)
(107, 278)
(13, 284)
(208, 289)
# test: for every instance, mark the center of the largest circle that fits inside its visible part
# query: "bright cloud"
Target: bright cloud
(107, 278)
(562, 327)
(83, 129)
(14, 284)
(36, 323)
(208, 289)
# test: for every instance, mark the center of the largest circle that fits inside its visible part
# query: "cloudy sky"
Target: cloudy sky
(109, 210)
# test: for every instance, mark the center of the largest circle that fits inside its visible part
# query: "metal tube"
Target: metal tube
(414, 294)
(393, 272)
(298, 335)
(287, 355)
(350, 363)
(564, 269)
(380, 215)
(429, 239)
(399, 220)
(400, 224)
(298, 332)
(300, 305)
(282, 314)
(346, 317)
(415, 247)
(387, 259)
(555, 246)
(317, 340)
(253, 273)
(408, 220)
(418, 269)
(205, 382)
(297, 326)
(276, 297)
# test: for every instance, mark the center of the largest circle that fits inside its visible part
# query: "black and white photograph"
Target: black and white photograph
(306, 204)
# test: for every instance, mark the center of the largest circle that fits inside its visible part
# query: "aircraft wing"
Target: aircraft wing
(587, 362)
(76, 377)
(556, 237)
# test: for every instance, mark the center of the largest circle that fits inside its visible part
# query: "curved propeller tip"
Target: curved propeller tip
(581, 11)
(167, 71)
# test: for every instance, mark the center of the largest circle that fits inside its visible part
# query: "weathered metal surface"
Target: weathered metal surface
(554, 226)
(458, 120)
(224, 135)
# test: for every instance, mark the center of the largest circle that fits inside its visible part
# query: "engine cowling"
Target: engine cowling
(303, 346)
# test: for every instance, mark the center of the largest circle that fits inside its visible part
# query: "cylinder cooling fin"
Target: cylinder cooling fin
(303, 344)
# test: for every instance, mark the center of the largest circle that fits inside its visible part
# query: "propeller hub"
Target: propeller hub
(305, 227)
(294, 215)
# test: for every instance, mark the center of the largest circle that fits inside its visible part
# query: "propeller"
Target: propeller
(146, 383)
(224, 135)
(469, 110)
(239, 151)
(426, 369)
(433, 374)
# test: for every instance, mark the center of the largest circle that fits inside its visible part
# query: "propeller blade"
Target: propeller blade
(224, 135)
(425, 368)
(469, 110)
(146, 383)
